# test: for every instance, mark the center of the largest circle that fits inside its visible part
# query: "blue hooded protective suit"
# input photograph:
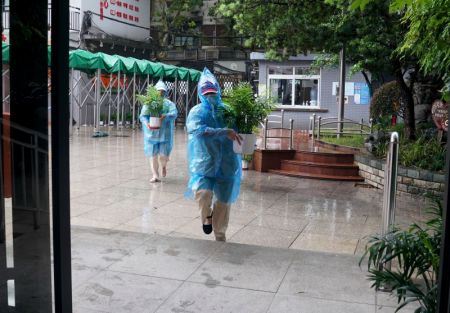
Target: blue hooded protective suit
(159, 141)
(213, 165)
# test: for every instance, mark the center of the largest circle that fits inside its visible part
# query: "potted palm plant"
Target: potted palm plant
(244, 112)
(416, 253)
(153, 106)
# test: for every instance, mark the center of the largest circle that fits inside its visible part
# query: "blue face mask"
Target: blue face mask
(212, 99)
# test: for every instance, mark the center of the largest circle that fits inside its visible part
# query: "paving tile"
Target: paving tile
(81, 273)
(328, 276)
(325, 243)
(247, 267)
(198, 298)
(264, 236)
(194, 230)
(119, 292)
(155, 221)
(86, 222)
(280, 222)
(167, 257)
(179, 208)
(313, 305)
(110, 215)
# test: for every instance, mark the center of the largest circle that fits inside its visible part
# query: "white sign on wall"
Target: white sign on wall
(134, 15)
(349, 88)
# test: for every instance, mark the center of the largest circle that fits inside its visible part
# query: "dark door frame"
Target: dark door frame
(60, 156)
(444, 275)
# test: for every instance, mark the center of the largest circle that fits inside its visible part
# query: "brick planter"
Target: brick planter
(410, 180)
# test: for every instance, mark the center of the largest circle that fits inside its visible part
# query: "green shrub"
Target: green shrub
(424, 153)
(428, 154)
(389, 99)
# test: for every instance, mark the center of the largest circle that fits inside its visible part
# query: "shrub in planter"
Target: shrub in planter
(244, 112)
(388, 100)
(153, 104)
(428, 154)
(416, 256)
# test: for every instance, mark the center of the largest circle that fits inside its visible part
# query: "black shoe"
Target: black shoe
(207, 228)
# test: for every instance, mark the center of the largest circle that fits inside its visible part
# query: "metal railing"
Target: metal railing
(74, 17)
(389, 194)
(32, 145)
(316, 127)
(281, 128)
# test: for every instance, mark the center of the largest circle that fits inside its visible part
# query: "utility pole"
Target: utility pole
(341, 91)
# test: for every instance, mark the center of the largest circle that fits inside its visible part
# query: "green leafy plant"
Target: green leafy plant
(243, 111)
(423, 153)
(152, 101)
(415, 257)
(387, 101)
(129, 117)
(247, 157)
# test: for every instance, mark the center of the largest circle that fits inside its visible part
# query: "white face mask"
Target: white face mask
(212, 99)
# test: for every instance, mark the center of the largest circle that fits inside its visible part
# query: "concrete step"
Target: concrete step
(331, 169)
(317, 176)
(324, 157)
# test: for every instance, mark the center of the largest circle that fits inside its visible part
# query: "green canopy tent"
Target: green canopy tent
(121, 69)
(86, 61)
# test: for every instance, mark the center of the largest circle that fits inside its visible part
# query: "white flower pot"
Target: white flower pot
(245, 164)
(155, 122)
(102, 123)
(247, 145)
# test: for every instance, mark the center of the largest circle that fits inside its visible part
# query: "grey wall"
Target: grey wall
(328, 104)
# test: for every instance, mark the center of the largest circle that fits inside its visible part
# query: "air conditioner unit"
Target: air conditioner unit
(212, 54)
(190, 54)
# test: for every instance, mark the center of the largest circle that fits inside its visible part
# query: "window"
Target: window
(294, 86)
(305, 92)
(280, 70)
(281, 90)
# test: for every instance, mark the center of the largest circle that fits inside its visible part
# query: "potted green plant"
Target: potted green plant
(247, 161)
(113, 119)
(244, 112)
(153, 106)
(102, 119)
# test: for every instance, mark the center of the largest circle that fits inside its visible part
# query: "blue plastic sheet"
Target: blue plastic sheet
(213, 165)
(159, 141)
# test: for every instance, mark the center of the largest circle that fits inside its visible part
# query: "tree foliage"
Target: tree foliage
(428, 34)
(175, 17)
(372, 36)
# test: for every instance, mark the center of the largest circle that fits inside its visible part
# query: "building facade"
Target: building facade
(301, 90)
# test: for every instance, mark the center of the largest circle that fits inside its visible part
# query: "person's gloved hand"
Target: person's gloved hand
(232, 135)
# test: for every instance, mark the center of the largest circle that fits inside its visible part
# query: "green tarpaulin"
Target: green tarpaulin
(5, 53)
(90, 62)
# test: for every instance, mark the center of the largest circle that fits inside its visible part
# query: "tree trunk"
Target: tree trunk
(369, 83)
(410, 123)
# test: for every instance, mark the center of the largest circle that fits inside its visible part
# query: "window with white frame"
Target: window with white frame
(296, 86)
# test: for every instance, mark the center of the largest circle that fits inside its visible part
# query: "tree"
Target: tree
(287, 27)
(428, 35)
(175, 17)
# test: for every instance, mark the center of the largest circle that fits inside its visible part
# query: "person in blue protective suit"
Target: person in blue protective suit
(214, 168)
(158, 143)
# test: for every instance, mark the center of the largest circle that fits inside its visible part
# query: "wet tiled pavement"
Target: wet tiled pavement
(110, 189)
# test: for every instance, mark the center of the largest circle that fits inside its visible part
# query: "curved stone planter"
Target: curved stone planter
(410, 180)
